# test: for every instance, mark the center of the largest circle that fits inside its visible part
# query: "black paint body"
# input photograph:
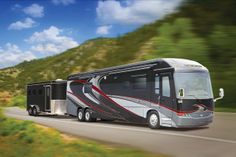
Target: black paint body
(41, 94)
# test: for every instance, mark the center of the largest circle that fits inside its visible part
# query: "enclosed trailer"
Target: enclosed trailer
(47, 97)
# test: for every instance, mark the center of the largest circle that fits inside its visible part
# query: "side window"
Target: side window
(157, 85)
(29, 92)
(140, 83)
(34, 91)
(126, 84)
(165, 86)
(40, 92)
(48, 91)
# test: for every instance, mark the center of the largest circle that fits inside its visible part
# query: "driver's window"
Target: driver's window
(157, 85)
(165, 86)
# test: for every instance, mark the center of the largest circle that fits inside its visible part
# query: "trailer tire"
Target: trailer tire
(30, 111)
(80, 115)
(34, 111)
(153, 120)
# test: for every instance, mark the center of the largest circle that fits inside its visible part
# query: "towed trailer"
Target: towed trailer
(160, 92)
(47, 97)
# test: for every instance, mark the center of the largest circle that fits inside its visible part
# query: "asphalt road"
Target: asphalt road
(215, 140)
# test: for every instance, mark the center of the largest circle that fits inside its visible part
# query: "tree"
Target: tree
(222, 44)
(177, 40)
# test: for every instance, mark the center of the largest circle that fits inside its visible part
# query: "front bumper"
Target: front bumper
(191, 122)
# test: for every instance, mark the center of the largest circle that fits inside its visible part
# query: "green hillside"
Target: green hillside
(202, 30)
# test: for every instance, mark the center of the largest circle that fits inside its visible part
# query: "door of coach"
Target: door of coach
(163, 92)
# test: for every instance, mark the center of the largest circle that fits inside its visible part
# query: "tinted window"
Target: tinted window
(126, 84)
(40, 91)
(140, 83)
(165, 86)
(157, 85)
(48, 91)
(29, 92)
(34, 92)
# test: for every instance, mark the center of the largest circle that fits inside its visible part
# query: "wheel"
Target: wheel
(80, 115)
(153, 120)
(34, 111)
(88, 117)
(30, 111)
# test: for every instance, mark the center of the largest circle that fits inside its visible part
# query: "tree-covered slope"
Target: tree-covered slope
(201, 30)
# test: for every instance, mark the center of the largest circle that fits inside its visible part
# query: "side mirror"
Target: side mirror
(181, 92)
(88, 88)
(221, 94)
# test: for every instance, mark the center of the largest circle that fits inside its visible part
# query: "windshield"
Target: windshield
(195, 85)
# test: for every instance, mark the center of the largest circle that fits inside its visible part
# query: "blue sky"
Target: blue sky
(34, 29)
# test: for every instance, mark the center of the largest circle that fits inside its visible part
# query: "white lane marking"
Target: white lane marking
(131, 129)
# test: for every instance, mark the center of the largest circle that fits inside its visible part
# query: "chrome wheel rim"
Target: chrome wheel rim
(30, 110)
(80, 115)
(35, 111)
(153, 120)
(87, 116)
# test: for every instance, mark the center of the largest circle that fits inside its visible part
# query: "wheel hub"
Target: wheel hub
(80, 115)
(87, 116)
(153, 120)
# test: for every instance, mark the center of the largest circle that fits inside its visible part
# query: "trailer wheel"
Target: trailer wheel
(80, 115)
(153, 120)
(30, 111)
(34, 111)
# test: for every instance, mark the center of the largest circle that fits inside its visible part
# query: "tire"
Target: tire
(153, 120)
(88, 116)
(34, 111)
(30, 111)
(80, 115)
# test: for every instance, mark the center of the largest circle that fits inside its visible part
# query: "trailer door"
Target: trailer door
(47, 98)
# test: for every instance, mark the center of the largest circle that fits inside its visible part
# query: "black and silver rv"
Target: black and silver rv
(160, 92)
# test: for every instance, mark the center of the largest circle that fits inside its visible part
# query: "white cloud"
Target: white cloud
(16, 6)
(11, 55)
(134, 11)
(103, 30)
(34, 10)
(19, 25)
(63, 2)
(51, 41)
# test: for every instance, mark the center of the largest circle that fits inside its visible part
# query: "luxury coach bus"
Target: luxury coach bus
(160, 92)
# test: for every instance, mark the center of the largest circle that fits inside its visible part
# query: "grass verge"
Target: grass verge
(26, 139)
(219, 109)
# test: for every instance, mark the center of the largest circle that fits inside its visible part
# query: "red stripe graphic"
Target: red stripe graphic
(104, 95)
(108, 98)
(95, 108)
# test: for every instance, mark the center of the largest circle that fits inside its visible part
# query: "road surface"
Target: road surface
(216, 140)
